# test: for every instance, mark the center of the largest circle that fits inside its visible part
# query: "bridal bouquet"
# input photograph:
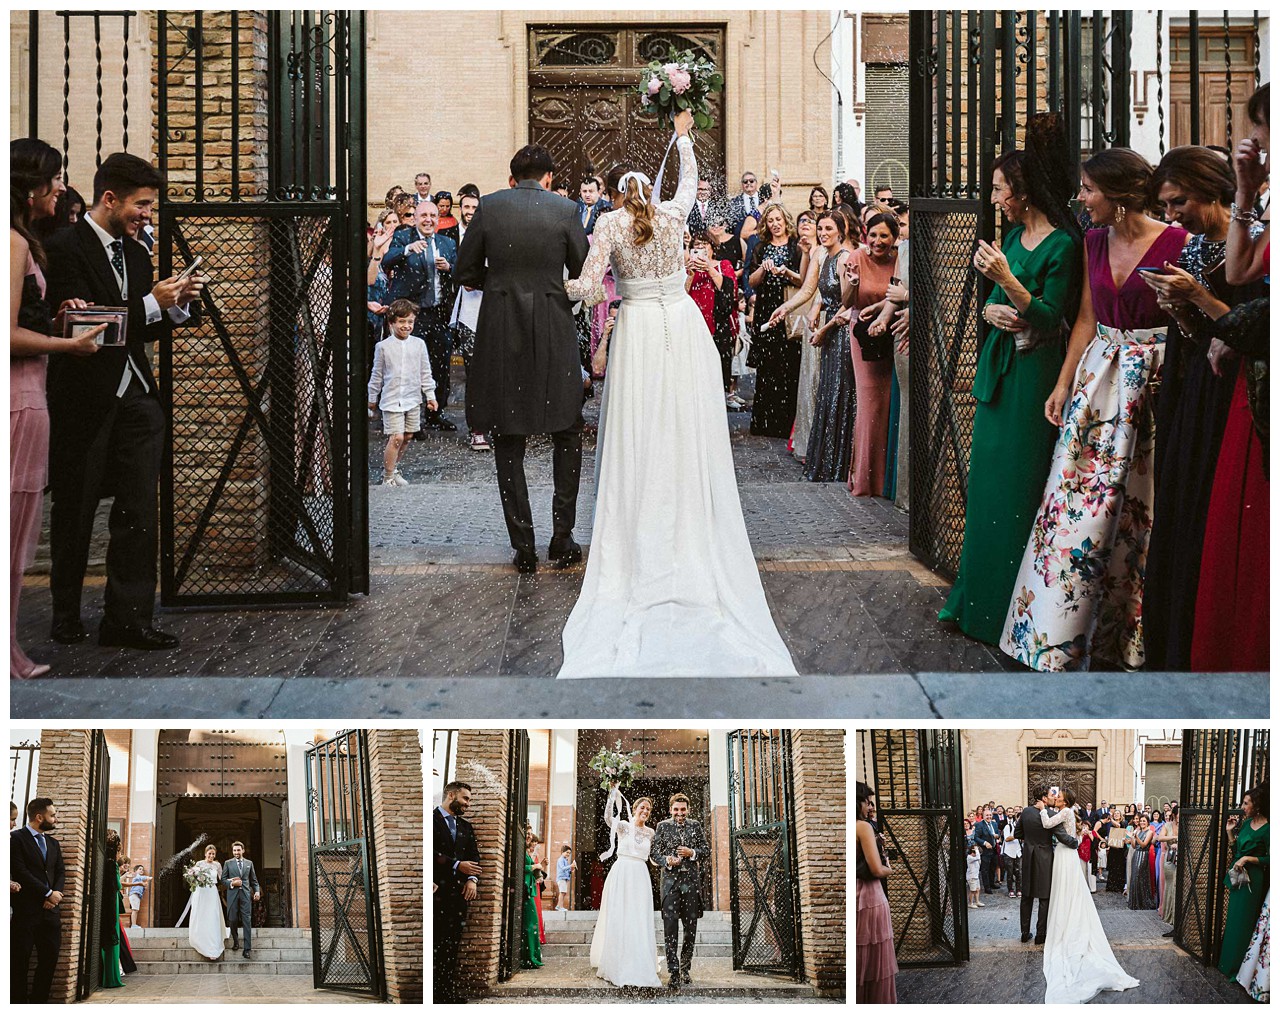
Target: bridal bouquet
(197, 875)
(616, 766)
(682, 81)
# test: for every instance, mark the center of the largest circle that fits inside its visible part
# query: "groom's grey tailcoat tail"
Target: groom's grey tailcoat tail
(526, 373)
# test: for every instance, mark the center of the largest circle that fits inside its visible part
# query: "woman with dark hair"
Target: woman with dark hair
(1248, 882)
(830, 445)
(1194, 187)
(1142, 881)
(1167, 842)
(868, 272)
(1078, 591)
(1037, 287)
(774, 264)
(803, 326)
(69, 210)
(1233, 601)
(111, 910)
(843, 193)
(877, 963)
(35, 184)
(818, 199)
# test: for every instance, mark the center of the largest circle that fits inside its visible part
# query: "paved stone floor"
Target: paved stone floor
(1002, 969)
(220, 989)
(450, 629)
(572, 980)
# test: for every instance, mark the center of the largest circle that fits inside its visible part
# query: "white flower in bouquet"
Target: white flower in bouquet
(681, 82)
(198, 875)
(615, 767)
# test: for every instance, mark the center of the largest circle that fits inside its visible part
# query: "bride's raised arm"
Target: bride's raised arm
(613, 809)
(1054, 820)
(687, 187)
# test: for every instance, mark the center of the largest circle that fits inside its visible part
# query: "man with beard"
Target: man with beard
(679, 844)
(35, 865)
(455, 881)
(466, 308)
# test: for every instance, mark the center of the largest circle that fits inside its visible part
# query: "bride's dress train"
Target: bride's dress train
(1078, 962)
(624, 948)
(671, 585)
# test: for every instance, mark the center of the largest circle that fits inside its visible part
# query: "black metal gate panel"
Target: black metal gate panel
(346, 930)
(94, 898)
(764, 894)
(264, 489)
(1218, 767)
(915, 774)
(517, 820)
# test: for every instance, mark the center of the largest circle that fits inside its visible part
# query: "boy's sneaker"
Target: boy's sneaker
(479, 443)
(397, 479)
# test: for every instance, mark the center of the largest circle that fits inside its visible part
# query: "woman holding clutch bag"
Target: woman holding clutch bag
(35, 183)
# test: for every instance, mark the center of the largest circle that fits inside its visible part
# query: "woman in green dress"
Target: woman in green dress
(1250, 839)
(1037, 278)
(110, 942)
(530, 945)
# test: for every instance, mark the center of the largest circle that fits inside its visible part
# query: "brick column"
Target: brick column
(482, 763)
(208, 399)
(821, 833)
(395, 771)
(64, 778)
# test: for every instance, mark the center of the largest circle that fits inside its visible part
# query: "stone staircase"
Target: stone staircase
(569, 934)
(275, 952)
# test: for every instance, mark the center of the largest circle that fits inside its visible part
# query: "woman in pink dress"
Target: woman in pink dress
(35, 183)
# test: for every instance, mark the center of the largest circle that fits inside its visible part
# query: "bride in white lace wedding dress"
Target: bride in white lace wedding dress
(1078, 962)
(624, 947)
(671, 585)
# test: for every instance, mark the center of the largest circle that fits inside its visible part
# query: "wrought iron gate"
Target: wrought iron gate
(1218, 767)
(264, 494)
(915, 774)
(764, 894)
(517, 818)
(95, 895)
(346, 929)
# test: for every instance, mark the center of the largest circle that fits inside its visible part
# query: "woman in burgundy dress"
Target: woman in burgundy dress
(1079, 590)
(35, 182)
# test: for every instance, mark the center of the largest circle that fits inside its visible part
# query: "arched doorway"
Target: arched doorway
(223, 787)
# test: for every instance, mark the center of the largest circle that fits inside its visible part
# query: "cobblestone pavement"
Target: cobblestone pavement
(450, 629)
(572, 980)
(1002, 969)
(220, 989)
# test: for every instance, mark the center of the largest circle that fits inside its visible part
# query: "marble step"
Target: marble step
(583, 950)
(231, 964)
(261, 952)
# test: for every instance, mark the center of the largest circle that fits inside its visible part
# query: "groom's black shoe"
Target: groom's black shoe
(68, 631)
(248, 955)
(1026, 937)
(141, 638)
(564, 554)
(526, 563)
(673, 983)
(1039, 941)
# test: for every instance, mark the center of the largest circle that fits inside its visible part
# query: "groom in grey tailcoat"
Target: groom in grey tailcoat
(1037, 860)
(525, 375)
(679, 844)
(241, 881)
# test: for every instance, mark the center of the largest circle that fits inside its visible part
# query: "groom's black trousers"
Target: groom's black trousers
(680, 908)
(566, 463)
(1042, 916)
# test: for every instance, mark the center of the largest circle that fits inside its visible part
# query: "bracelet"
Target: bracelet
(1239, 215)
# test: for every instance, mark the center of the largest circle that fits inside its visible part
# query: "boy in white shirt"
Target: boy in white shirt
(402, 376)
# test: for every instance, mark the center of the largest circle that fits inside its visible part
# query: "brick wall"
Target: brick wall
(821, 836)
(395, 767)
(490, 750)
(141, 848)
(64, 778)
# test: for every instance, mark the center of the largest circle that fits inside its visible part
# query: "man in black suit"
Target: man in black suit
(679, 844)
(422, 264)
(988, 839)
(35, 865)
(455, 879)
(703, 207)
(1037, 861)
(526, 373)
(590, 207)
(106, 426)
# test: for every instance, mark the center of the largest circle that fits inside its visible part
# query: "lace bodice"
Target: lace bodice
(215, 867)
(626, 839)
(1066, 817)
(613, 243)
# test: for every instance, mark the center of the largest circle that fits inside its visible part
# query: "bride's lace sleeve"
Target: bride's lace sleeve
(687, 188)
(589, 286)
(1059, 818)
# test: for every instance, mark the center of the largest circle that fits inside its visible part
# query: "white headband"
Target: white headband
(640, 179)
